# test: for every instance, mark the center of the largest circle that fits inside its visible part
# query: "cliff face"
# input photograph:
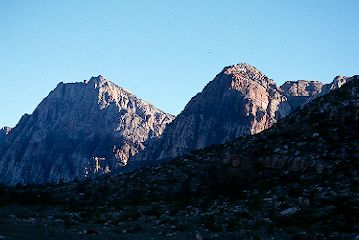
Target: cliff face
(238, 101)
(296, 180)
(318, 136)
(85, 129)
(301, 91)
(338, 82)
(79, 130)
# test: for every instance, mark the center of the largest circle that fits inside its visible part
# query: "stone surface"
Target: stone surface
(239, 101)
(301, 91)
(335, 84)
(79, 130)
(3, 133)
(296, 180)
(85, 129)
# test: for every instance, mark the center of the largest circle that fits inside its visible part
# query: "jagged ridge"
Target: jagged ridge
(78, 130)
(3, 133)
(296, 180)
(239, 101)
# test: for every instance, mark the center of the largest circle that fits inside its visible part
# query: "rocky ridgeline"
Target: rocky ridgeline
(239, 101)
(296, 180)
(317, 136)
(3, 133)
(86, 129)
(301, 91)
(79, 130)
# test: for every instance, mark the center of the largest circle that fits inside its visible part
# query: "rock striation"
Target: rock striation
(79, 130)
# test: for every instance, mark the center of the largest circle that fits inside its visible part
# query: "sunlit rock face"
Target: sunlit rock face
(79, 130)
(240, 100)
(301, 91)
(338, 82)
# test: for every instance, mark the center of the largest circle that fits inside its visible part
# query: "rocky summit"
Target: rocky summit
(296, 180)
(239, 101)
(301, 91)
(86, 129)
(79, 130)
(3, 133)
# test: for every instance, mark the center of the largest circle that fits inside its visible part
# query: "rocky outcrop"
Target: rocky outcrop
(325, 133)
(301, 91)
(79, 130)
(3, 133)
(239, 101)
(335, 84)
(296, 180)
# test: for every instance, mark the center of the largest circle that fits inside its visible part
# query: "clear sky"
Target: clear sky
(166, 51)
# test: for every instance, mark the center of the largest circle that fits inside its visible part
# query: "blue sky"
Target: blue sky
(166, 51)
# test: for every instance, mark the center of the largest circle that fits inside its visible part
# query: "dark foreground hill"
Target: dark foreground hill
(297, 180)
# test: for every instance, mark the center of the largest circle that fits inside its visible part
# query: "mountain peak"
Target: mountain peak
(3, 133)
(242, 69)
(5, 130)
(339, 81)
(99, 79)
(246, 72)
(239, 101)
(79, 130)
(301, 88)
